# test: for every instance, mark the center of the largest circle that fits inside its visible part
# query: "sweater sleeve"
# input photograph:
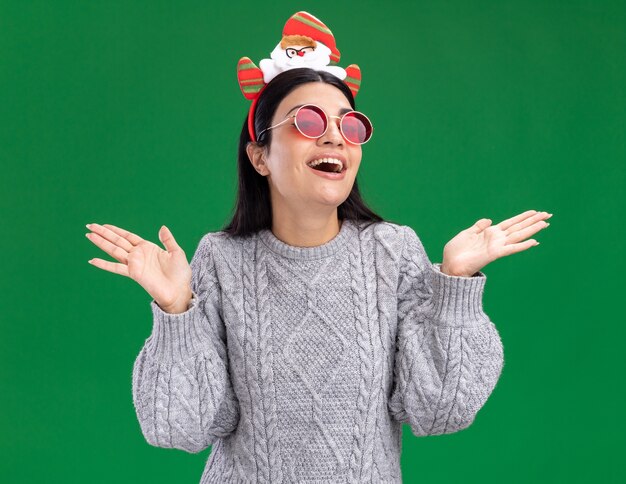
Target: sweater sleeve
(182, 392)
(449, 354)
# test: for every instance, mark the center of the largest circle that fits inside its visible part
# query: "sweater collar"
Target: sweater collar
(347, 234)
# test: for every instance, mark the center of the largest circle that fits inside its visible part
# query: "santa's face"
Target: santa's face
(301, 56)
(294, 185)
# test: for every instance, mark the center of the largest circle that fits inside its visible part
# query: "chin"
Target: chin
(333, 201)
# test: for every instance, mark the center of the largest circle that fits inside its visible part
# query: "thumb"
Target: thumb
(482, 224)
(168, 240)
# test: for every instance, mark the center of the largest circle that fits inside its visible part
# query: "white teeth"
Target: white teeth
(327, 160)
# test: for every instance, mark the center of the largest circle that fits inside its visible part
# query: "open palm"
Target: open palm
(164, 274)
(482, 243)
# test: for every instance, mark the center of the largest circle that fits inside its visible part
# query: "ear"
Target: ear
(256, 155)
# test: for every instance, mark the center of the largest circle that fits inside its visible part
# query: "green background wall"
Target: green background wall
(128, 112)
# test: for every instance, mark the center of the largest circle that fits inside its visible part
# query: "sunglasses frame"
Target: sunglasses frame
(328, 118)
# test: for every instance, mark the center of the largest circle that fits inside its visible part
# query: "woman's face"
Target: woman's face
(293, 184)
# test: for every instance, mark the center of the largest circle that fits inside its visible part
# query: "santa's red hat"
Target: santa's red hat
(303, 23)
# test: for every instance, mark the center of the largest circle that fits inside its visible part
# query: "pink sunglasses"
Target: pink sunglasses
(312, 122)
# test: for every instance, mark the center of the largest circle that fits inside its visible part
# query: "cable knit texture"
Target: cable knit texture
(300, 364)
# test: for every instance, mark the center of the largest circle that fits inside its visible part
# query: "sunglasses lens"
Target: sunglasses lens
(356, 127)
(311, 121)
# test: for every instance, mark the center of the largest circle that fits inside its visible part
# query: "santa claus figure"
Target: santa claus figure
(295, 51)
(306, 42)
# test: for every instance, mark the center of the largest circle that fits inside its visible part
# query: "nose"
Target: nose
(333, 133)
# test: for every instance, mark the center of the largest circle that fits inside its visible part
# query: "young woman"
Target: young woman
(305, 333)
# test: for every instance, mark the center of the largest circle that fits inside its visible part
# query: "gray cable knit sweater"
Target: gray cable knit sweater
(300, 364)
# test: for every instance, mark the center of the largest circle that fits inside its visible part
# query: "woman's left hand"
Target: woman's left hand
(482, 243)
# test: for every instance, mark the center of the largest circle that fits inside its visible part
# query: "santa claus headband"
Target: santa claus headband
(306, 42)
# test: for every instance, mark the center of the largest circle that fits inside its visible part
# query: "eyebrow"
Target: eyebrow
(341, 111)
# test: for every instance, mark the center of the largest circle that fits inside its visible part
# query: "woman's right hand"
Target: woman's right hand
(164, 274)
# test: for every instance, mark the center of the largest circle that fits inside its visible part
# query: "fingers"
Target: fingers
(131, 238)
(114, 241)
(514, 248)
(168, 239)
(523, 220)
(121, 269)
(527, 224)
(111, 249)
(535, 223)
(526, 232)
(482, 224)
(506, 224)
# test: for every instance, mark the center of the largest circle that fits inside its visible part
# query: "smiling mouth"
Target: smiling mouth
(329, 165)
